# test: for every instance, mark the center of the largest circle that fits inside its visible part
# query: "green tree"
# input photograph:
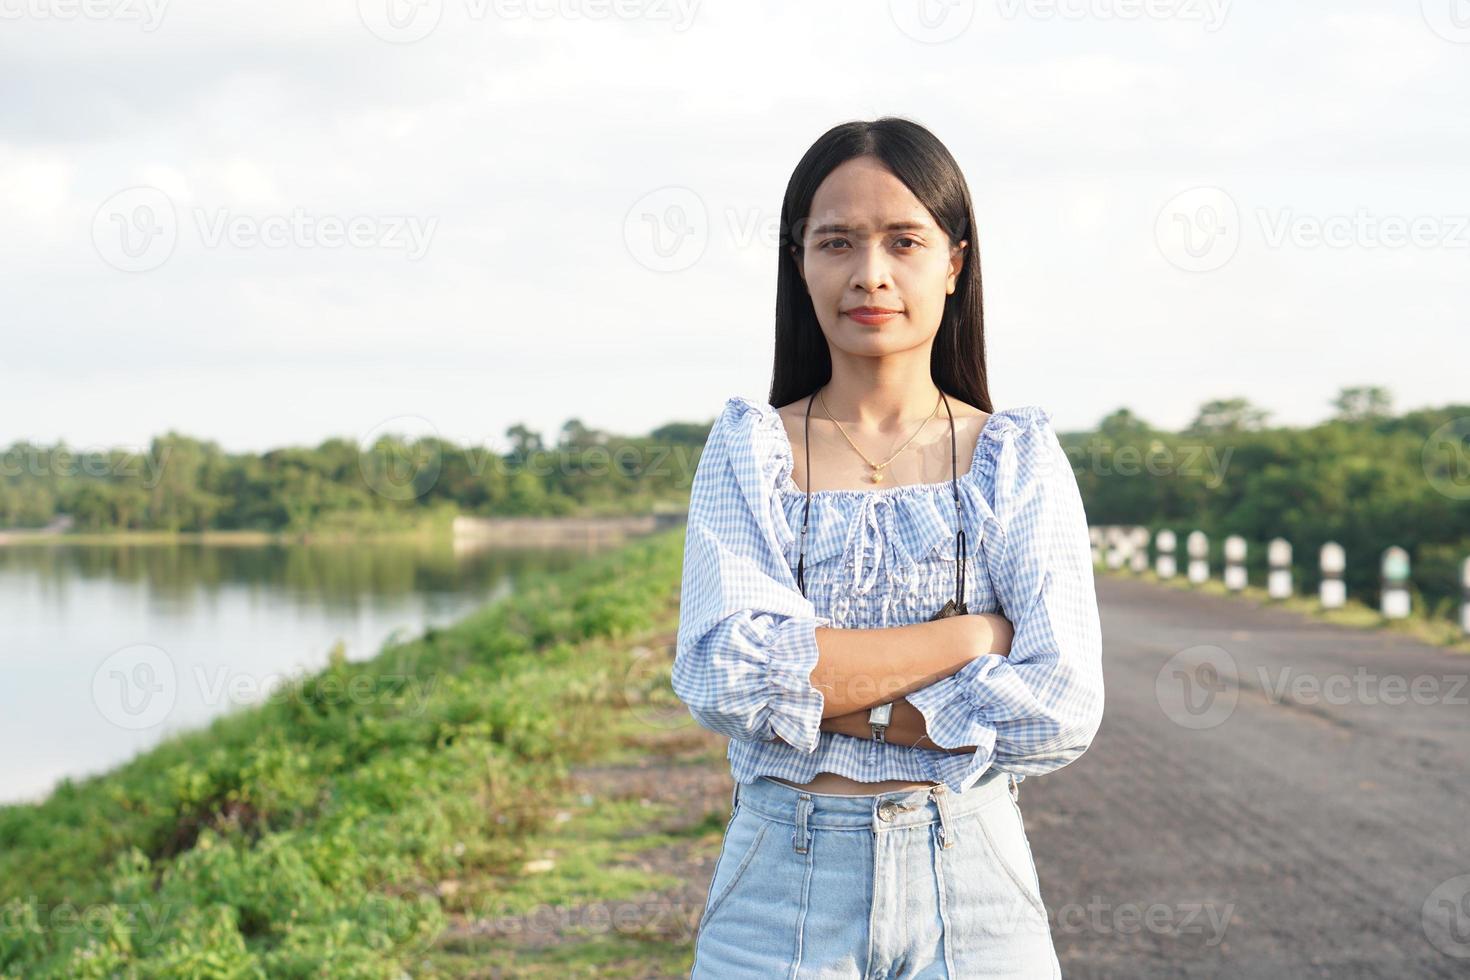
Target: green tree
(1362, 403)
(1123, 426)
(1227, 415)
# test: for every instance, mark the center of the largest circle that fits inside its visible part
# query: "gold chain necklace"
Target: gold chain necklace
(877, 475)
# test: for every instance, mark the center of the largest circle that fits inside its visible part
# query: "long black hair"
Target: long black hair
(915, 156)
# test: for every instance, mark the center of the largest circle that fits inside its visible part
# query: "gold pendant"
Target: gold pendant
(877, 476)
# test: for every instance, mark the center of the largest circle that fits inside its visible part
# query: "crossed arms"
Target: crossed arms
(860, 668)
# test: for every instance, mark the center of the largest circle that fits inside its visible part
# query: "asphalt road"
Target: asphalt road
(1268, 796)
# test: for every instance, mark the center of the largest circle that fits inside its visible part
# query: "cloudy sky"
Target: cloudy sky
(271, 222)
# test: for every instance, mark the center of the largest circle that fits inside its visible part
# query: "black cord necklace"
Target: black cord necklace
(952, 607)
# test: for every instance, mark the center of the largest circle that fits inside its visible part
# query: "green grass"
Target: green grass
(370, 819)
(337, 830)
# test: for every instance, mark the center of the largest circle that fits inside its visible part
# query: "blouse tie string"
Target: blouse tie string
(877, 533)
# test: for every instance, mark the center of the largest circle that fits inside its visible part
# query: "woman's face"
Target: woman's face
(870, 243)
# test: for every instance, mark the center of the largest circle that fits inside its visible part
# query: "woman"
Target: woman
(844, 552)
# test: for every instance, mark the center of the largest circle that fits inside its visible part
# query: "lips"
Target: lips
(871, 314)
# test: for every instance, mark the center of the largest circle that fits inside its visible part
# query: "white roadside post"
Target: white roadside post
(1394, 576)
(1333, 591)
(1138, 560)
(1164, 548)
(1465, 599)
(1095, 535)
(1116, 554)
(1278, 556)
(1198, 546)
(1235, 563)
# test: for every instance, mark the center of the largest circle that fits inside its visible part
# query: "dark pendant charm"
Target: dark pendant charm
(950, 609)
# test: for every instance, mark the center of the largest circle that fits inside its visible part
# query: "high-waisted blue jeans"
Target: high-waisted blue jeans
(918, 883)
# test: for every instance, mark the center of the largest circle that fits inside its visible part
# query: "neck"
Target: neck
(881, 404)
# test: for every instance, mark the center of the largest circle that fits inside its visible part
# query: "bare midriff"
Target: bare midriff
(831, 782)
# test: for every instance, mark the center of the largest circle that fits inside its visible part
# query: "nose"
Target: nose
(870, 269)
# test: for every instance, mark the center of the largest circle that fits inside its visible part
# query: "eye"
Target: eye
(906, 238)
(830, 241)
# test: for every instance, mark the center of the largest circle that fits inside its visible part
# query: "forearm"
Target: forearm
(905, 727)
(860, 668)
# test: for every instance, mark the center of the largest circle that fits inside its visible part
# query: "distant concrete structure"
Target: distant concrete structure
(1394, 578)
(1333, 591)
(1235, 576)
(1278, 579)
(1198, 546)
(477, 533)
(1117, 546)
(60, 524)
(1138, 542)
(1116, 553)
(1164, 544)
(1465, 598)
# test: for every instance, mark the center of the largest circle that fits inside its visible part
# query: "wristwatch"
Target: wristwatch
(878, 719)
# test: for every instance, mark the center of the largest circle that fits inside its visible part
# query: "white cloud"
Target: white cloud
(526, 142)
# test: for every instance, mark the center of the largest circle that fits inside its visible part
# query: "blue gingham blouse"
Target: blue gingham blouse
(746, 641)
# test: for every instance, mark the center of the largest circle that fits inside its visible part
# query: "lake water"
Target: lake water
(108, 648)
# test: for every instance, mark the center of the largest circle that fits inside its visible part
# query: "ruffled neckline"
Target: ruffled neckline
(1000, 426)
(885, 528)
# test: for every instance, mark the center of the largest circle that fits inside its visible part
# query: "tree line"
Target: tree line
(1364, 477)
(182, 483)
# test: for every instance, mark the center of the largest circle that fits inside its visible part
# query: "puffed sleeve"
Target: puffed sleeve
(1038, 708)
(746, 644)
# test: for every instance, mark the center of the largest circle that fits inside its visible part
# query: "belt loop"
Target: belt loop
(799, 837)
(940, 795)
(1015, 787)
(735, 796)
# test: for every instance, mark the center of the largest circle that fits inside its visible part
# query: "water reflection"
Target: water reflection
(94, 631)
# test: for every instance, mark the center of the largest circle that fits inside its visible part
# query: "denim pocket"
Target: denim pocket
(1005, 833)
(742, 842)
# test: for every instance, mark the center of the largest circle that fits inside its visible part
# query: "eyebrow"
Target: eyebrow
(891, 226)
